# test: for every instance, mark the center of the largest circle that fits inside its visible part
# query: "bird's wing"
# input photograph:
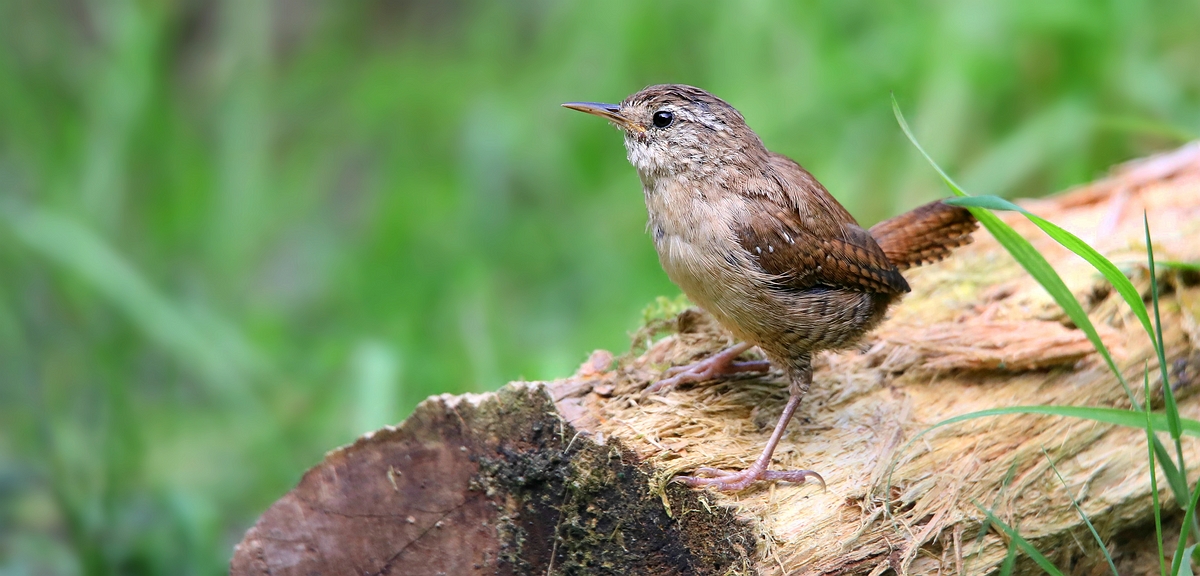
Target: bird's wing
(806, 239)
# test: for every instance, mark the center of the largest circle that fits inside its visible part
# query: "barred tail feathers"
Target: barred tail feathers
(924, 235)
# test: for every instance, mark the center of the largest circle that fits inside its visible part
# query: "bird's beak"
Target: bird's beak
(610, 111)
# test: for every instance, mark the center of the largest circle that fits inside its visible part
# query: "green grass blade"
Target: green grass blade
(1010, 557)
(1118, 416)
(1040, 269)
(1114, 275)
(1133, 419)
(1183, 531)
(1022, 543)
(1175, 479)
(1128, 292)
(1129, 418)
(1162, 563)
(1172, 409)
(1185, 569)
(1027, 256)
(1176, 476)
(1037, 266)
(954, 187)
(1086, 520)
(986, 524)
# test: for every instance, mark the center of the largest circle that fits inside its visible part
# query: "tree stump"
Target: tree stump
(573, 476)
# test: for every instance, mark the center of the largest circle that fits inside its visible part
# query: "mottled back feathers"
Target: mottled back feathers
(801, 235)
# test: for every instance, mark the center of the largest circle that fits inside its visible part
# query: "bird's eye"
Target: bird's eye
(663, 118)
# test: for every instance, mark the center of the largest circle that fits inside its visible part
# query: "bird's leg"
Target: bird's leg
(720, 364)
(733, 481)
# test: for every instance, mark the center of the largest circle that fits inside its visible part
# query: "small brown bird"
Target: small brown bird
(754, 239)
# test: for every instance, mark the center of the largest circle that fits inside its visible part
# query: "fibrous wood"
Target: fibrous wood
(572, 476)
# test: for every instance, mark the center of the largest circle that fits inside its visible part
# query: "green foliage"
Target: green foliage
(235, 234)
(1029, 258)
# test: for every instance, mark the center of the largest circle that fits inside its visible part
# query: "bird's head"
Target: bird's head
(673, 129)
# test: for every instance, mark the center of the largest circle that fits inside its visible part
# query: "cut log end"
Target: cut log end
(492, 484)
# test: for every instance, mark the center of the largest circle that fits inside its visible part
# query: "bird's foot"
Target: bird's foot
(720, 364)
(727, 481)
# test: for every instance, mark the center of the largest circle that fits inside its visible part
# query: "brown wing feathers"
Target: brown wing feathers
(856, 260)
(802, 259)
(852, 257)
(924, 235)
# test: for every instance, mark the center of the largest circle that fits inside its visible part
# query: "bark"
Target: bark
(572, 476)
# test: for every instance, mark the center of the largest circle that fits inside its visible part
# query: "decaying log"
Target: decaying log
(572, 476)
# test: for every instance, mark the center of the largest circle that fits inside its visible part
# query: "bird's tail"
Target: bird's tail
(924, 235)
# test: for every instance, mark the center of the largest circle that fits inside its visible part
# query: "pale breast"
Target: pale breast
(698, 249)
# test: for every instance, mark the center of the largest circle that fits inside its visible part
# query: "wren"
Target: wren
(752, 238)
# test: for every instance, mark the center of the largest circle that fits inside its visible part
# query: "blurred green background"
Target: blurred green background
(234, 235)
